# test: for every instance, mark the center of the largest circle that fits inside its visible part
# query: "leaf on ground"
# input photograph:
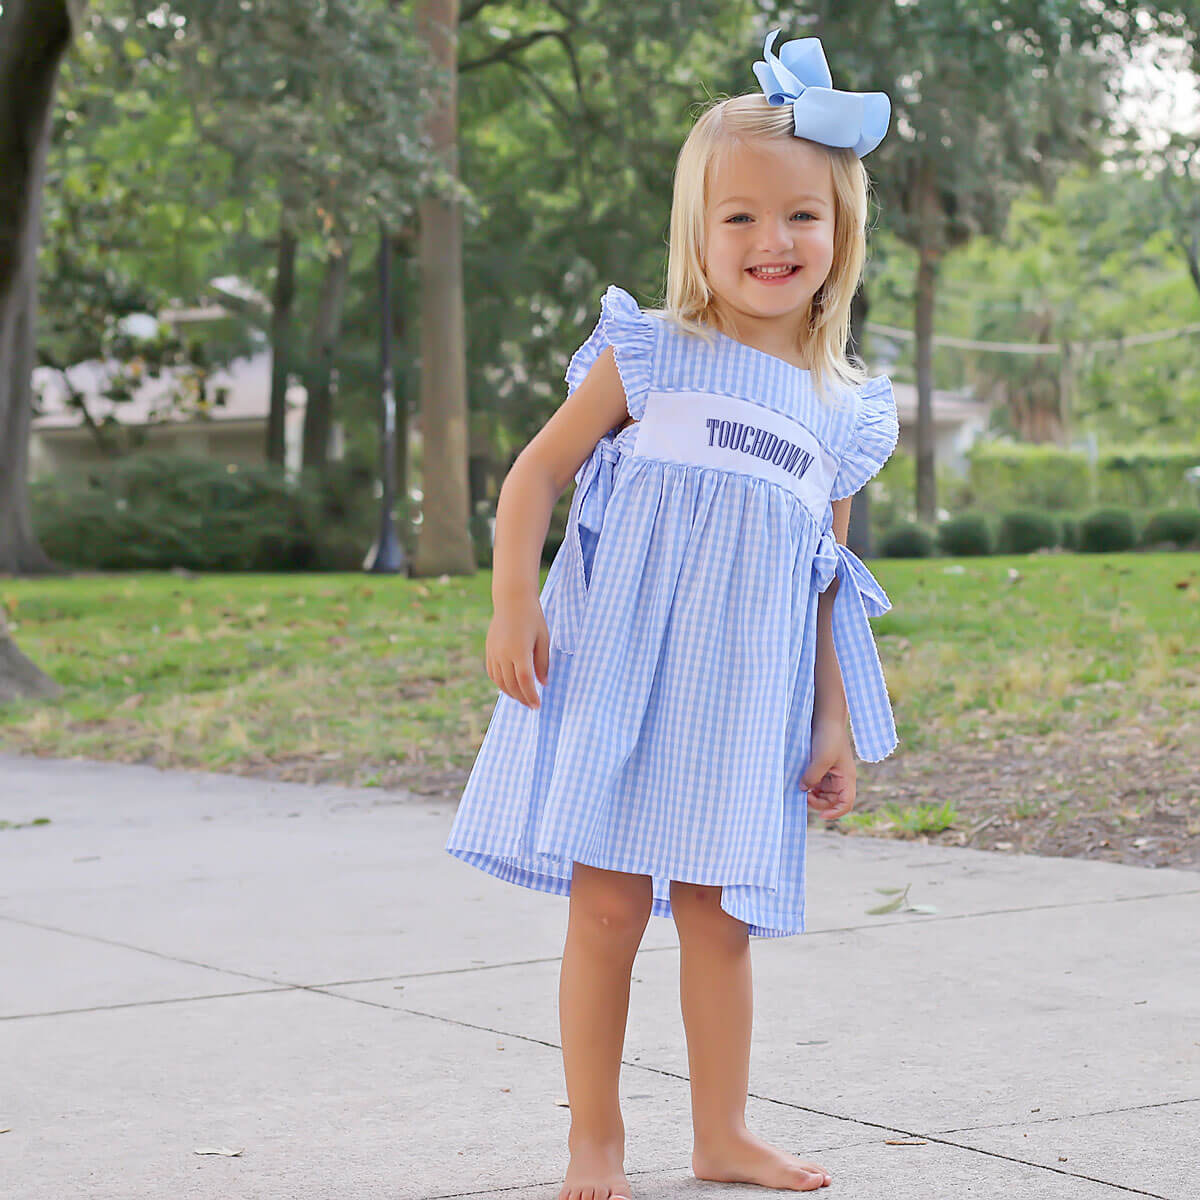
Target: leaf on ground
(890, 906)
(905, 1142)
(221, 1150)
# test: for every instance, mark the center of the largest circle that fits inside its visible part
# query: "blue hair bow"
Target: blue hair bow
(799, 75)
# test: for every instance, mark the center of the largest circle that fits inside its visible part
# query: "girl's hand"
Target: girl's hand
(830, 775)
(518, 645)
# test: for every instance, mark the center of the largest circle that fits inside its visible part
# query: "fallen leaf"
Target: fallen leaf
(221, 1150)
(905, 1142)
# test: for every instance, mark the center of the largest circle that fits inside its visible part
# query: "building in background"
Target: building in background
(233, 431)
(958, 420)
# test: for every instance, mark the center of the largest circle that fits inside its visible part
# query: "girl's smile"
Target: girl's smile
(773, 273)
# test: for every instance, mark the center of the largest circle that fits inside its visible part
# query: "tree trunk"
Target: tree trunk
(928, 255)
(444, 545)
(402, 335)
(318, 412)
(19, 678)
(281, 339)
(858, 535)
(36, 34)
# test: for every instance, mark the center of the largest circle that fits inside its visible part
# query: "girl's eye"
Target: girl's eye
(739, 216)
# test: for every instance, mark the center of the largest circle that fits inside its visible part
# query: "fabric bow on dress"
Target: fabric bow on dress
(858, 597)
(799, 75)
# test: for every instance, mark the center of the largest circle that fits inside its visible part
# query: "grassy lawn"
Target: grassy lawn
(380, 681)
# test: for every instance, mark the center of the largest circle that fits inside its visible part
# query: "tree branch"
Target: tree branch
(506, 51)
(472, 9)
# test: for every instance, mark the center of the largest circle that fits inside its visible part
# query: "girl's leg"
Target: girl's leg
(717, 998)
(608, 915)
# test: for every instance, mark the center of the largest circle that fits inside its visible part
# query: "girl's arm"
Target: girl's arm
(518, 641)
(829, 703)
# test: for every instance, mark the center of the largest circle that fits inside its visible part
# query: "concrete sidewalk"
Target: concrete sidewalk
(303, 974)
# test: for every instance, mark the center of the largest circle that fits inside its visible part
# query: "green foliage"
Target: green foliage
(1047, 477)
(1180, 526)
(1039, 476)
(1107, 529)
(965, 534)
(1025, 530)
(906, 540)
(154, 511)
(1092, 262)
(1144, 476)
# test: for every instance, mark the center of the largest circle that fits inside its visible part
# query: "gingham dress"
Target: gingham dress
(675, 723)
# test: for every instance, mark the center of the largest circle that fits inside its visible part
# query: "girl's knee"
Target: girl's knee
(695, 895)
(613, 902)
(698, 906)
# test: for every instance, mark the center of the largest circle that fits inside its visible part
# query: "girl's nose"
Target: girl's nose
(776, 236)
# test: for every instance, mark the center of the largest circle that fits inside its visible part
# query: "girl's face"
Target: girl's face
(769, 233)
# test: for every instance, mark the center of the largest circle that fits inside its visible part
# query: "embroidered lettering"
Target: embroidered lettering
(761, 443)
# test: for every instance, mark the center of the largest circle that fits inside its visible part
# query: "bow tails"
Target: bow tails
(859, 596)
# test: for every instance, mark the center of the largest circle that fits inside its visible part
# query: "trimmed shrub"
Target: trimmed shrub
(157, 511)
(1180, 526)
(1145, 476)
(1026, 530)
(1034, 476)
(968, 533)
(1106, 530)
(1048, 477)
(906, 540)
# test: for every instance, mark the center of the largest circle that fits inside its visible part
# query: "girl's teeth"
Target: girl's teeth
(771, 271)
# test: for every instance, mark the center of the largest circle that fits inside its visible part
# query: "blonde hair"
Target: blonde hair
(689, 302)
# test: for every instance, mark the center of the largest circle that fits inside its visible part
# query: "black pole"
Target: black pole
(387, 555)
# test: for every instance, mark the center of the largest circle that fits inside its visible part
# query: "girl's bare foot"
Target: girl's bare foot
(596, 1172)
(748, 1159)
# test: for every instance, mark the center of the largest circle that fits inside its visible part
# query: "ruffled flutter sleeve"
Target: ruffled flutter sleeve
(876, 432)
(630, 332)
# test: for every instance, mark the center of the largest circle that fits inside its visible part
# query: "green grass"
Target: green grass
(381, 680)
(907, 821)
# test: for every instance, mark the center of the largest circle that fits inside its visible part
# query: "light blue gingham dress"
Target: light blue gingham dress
(675, 722)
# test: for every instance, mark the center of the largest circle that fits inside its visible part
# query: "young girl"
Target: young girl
(703, 632)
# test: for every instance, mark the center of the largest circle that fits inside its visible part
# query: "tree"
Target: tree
(445, 543)
(34, 36)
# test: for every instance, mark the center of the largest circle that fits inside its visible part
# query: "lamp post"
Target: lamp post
(387, 556)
